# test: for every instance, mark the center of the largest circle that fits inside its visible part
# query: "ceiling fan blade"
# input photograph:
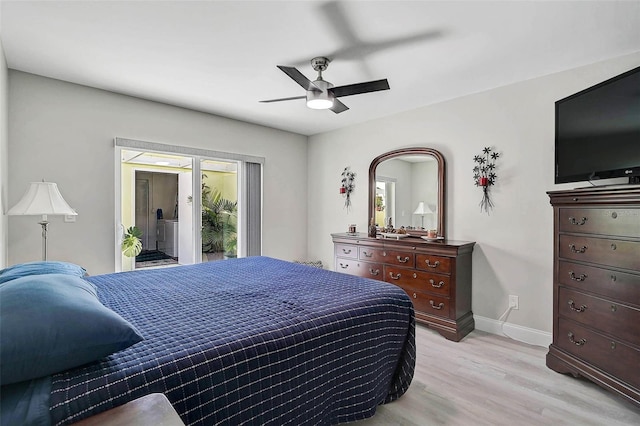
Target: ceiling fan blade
(299, 78)
(338, 107)
(284, 99)
(358, 88)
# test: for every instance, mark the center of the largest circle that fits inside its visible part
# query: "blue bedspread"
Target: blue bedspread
(249, 341)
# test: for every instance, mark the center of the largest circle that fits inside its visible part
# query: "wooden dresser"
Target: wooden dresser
(596, 290)
(436, 275)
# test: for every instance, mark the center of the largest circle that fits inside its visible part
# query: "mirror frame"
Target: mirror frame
(441, 183)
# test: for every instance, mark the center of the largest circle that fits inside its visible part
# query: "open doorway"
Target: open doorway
(155, 197)
(156, 216)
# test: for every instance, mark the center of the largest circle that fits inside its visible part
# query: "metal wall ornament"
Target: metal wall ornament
(484, 175)
(347, 186)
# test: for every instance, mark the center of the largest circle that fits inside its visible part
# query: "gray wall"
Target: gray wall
(64, 133)
(514, 250)
(4, 165)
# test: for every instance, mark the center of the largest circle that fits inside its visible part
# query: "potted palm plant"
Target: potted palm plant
(219, 216)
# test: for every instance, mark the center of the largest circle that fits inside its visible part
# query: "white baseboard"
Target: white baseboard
(513, 331)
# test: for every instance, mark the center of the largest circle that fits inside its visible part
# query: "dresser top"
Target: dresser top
(610, 194)
(361, 237)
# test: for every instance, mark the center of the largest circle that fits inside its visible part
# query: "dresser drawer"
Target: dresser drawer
(393, 257)
(433, 263)
(415, 280)
(607, 353)
(603, 251)
(428, 303)
(606, 282)
(606, 221)
(346, 250)
(610, 317)
(359, 268)
(439, 289)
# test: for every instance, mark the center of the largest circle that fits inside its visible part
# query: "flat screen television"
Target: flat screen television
(598, 131)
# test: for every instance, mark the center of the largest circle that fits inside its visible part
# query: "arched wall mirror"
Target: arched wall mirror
(407, 185)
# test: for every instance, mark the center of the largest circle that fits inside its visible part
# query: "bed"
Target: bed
(244, 341)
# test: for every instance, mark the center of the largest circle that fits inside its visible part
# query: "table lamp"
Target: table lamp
(422, 210)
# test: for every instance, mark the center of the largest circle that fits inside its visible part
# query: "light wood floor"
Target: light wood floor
(491, 380)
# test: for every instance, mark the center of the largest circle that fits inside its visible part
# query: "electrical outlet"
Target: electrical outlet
(513, 302)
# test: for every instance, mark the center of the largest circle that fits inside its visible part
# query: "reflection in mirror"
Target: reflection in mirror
(385, 199)
(407, 187)
(401, 197)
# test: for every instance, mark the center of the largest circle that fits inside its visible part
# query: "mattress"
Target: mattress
(247, 341)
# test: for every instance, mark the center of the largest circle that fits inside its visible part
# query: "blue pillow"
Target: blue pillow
(39, 268)
(50, 323)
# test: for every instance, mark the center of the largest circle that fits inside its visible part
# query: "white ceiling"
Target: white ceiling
(220, 56)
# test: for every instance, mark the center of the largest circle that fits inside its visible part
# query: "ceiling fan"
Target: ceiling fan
(323, 95)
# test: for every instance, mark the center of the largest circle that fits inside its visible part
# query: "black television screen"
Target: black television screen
(598, 131)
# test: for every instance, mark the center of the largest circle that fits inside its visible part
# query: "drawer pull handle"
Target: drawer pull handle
(613, 345)
(573, 249)
(433, 283)
(401, 260)
(415, 275)
(572, 339)
(372, 272)
(613, 247)
(367, 254)
(613, 278)
(414, 296)
(435, 264)
(433, 305)
(344, 266)
(573, 221)
(345, 251)
(384, 254)
(397, 277)
(572, 305)
(614, 308)
(573, 276)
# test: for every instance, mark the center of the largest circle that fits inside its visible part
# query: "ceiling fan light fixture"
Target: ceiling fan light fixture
(317, 101)
(320, 99)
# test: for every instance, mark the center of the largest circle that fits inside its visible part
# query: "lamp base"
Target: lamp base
(45, 228)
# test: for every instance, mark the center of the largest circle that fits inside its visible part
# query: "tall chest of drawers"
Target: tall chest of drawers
(596, 290)
(435, 275)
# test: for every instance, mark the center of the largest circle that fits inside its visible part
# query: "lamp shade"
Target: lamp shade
(422, 209)
(42, 198)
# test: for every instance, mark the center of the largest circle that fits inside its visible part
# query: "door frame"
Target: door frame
(120, 227)
(197, 154)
